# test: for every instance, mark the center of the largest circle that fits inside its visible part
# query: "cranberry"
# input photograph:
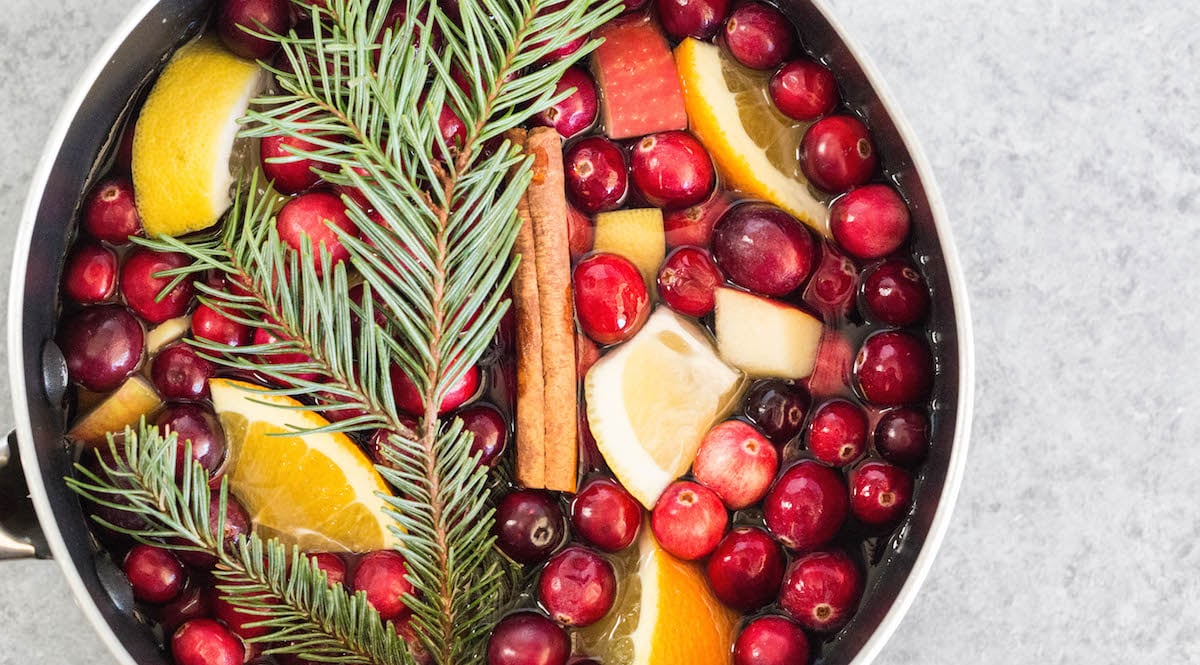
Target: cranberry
(894, 367)
(672, 170)
(836, 153)
(90, 275)
(611, 300)
(110, 212)
(771, 640)
(237, 524)
(154, 573)
(315, 215)
(529, 525)
(902, 436)
(562, 52)
(597, 178)
(333, 565)
(746, 568)
(870, 222)
(831, 375)
(606, 515)
(577, 587)
(103, 345)
(178, 372)
(880, 493)
(837, 434)
(576, 112)
(895, 293)
(383, 576)
(212, 325)
(491, 432)
(736, 462)
(804, 90)
(689, 520)
(807, 506)
(528, 638)
(694, 225)
(759, 36)
(831, 289)
(821, 590)
(409, 400)
(688, 281)
(193, 603)
(452, 129)
(762, 248)
(630, 6)
(235, 618)
(692, 18)
(199, 426)
(141, 288)
(581, 233)
(264, 337)
(288, 172)
(259, 16)
(206, 642)
(778, 409)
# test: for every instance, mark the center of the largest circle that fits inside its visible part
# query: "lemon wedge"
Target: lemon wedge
(650, 402)
(183, 142)
(755, 147)
(316, 491)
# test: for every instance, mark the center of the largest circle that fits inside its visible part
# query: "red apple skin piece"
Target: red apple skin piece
(835, 360)
(636, 74)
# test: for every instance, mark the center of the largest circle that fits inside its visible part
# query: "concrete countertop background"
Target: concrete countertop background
(1065, 136)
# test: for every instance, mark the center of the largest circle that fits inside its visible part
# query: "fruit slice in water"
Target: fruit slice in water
(134, 399)
(635, 234)
(637, 77)
(755, 147)
(766, 338)
(650, 402)
(316, 491)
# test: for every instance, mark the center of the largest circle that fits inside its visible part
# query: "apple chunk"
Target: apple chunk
(134, 399)
(766, 338)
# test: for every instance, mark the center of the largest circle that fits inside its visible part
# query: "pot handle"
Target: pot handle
(20, 535)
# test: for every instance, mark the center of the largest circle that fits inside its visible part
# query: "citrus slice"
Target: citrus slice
(183, 142)
(317, 491)
(650, 402)
(665, 614)
(755, 147)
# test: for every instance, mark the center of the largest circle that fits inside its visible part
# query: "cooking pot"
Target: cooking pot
(40, 517)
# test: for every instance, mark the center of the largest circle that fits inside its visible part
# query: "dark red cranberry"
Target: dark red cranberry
(90, 275)
(837, 434)
(529, 525)
(141, 288)
(689, 520)
(807, 505)
(821, 590)
(235, 618)
(778, 409)
(264, 337)
(597, 177)
(490, 430)
(737, 462)
(694, 225)
(630, 6)
(581, 233)
(563, 51)
(206, 642)
(672, 170)
(178, 372)
(333, 565)
(193, 603)
(688, 281)
(528, 638)
(103, 345)
(746, 568)
(771, 640)
(902, 436)
(577, 587)
(759, 36)
(237, 525)
(453, 131)
(804, 90)
(764, 249)
(880, 493)
(409, 400)
(212, 325)
(235, 17)
(289, 173)
(870, 222)
(893, 368)
(692, 18)
(110, 212)
(575, 113)
(895, 293)
(199, 426)
(383, 576)
(611, 300)
(831, 289)
(315, 215)
(154, 573)
(836, 153)
(606, 515)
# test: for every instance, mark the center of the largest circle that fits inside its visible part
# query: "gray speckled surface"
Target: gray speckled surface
(1066, 139)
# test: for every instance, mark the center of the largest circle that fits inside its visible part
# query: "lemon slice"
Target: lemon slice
(755, 147)
(183, 142)
(650, 402)
(316, 491)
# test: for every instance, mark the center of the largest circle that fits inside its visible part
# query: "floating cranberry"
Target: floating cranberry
(235, 17)
(597, 178)
(694, 225)
(577, 587)
(154, 573)
(736, 462)
(212, 325)
(264, 337)
(821, 590)
(453, 131)
(893, 368)
(563, 51)
(236, 523)
(831, 289)
(289, 173)
(611, 300)
(193, 603)
(689, 520)
(836, 153)
(807, 505)
(746, 568)
(529, 525)
(759, 36)
(606, 515)
(206, 642)
(409, 400)
(178, 372)
(333, 565)
(804, 90)
(235, 618)
(764, 249)
(672, 170)
(141, 288)
(199, 426)
(383, 576)
(837, 434)
(778, 409)
(692, 18)
(103, 345)
(870, 222)
(90, 274)
(902, 436)
(315, 215)
(581, 233)
(895, 293)
(880, 493)
(688, 281)
(575, 113)
(491, 432)
(528, 638)
(771, 640)
(110, 212)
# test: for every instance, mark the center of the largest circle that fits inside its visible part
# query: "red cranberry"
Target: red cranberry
(880, 493)
(198, 425)
(575, 113)
(452, 129)
(692, 18)
(870, 222)
(831, 289)
(672, 170)
(836, 153)
(746, 568)
(597, 178)
(762, 248)
(237, 524)
(212, 325)
(821, 590)
(141, 288)
(235, 17)
(409, 400)
(778, 409)
(759, 36)
(333, 565)
(564, 51)
(154, 573)
(577, 587)
(90, 275)
(606, 515)
(804, 90)
(110, 212)
(528, 638)
(264, 337)
(630, 6)
(193, 603)
(238, 620)
(771, 640)
(689, 520)
(611, 300)
(491, 432)
(529, 525)
(206, 642)
(893, 368)
(178, 372)
(581, 233)
(807, 506)
(315, 215)
(837, 434)
(289, 173)
(694, 225)
(736, 462)
(902, 436)
(688, 281)
(895, 293)
(383, 576)
(103, 345)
